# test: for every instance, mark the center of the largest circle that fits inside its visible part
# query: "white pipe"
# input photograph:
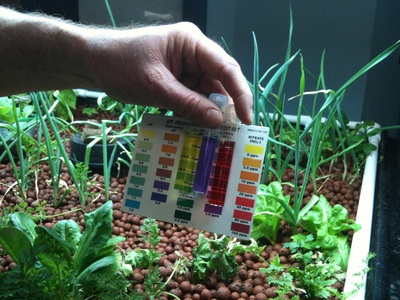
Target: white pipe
(360, 246)
(88, 94)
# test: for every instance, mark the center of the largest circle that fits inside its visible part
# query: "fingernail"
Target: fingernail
(213, 118)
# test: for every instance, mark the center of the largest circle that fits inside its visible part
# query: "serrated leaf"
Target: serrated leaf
(54, 253)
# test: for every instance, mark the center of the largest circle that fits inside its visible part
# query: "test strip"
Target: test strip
(220, 177)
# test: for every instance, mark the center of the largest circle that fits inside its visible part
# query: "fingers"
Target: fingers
(220, 66)
(222, 72)
(191, 104)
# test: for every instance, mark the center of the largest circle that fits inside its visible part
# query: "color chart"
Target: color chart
(164, 166)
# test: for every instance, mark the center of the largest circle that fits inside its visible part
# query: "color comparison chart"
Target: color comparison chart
(164, 166)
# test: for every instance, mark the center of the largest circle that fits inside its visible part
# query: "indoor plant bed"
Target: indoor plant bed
(247, 282)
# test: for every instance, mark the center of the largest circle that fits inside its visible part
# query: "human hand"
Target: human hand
(172, 66)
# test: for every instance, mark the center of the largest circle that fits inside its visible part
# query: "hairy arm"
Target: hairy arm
(172, 66)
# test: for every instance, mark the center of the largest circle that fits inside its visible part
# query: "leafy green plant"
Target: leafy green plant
(212, 256)
(269, 211)
(217, 256)
(90, 111)
(313, 278)
(325, 227)
(62, 262)
(64, 101)
(272, 207)
(23, 108)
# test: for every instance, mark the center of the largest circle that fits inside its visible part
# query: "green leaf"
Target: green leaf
(23, 222)
(95, 237)
(342, 253)
(27, 111)
(67, 100)
(69, 231)
(17, 244)
(6, 114)
(270, 209)
(107, 265)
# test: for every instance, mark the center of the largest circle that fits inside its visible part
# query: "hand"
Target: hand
(173, 66)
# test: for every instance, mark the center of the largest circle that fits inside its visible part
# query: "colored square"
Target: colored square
(132, 204)
(251, 162)
(168, 149)
(254, 149)
(241, 201)
(184, 215)
(248, 189)
(173, 137)
(243, 215)
(166, 161)
(139, 168)
(243, 228)
(142, 157)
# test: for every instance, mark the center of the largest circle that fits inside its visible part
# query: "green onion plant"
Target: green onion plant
(306, 146)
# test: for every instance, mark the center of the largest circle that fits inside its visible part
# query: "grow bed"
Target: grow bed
(248, 283)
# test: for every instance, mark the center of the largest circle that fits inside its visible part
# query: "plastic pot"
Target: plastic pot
(78, 148)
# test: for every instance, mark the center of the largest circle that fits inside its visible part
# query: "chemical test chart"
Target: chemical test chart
(185, 174)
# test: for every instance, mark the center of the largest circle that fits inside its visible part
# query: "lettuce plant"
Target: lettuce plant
(325, 226)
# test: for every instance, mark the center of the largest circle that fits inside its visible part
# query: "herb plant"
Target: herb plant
(148, 258)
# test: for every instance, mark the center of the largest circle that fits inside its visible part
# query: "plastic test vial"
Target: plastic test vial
(222, 164)
(209, 145)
